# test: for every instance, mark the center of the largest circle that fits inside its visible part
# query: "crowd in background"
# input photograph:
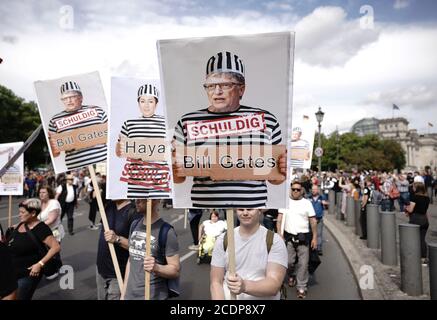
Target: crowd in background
(51, 197)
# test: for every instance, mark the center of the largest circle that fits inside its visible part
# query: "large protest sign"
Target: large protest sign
(228, 100)
(11, 182)
(139, 153)
(302, 142)
(73, 112)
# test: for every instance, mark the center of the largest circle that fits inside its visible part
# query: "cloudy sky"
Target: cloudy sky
(353, 58)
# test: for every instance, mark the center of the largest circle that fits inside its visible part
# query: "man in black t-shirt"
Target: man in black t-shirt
(120, 214)
(270, 219)
(8, 282)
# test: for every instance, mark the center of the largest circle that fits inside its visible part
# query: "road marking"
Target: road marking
(189, 254)
(176, 220)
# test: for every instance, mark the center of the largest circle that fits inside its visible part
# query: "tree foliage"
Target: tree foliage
(347, 151)
(18, 119)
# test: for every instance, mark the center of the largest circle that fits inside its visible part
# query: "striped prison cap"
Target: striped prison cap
(70, 86)
(225, 62)
(148, 90)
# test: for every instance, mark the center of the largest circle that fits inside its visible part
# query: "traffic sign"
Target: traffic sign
(318, 152)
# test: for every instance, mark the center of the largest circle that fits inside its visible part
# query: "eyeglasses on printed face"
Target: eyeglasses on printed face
(70, 97)
(225, 86)
(296, 189)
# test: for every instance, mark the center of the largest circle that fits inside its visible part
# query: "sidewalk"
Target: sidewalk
(387, 279)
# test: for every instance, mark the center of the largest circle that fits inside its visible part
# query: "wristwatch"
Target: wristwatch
(118, 240)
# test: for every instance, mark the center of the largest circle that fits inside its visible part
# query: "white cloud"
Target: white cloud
(416, 96)
(326, 38)
(401, 4)
(351, 73)
(278, 6)
(401, 59)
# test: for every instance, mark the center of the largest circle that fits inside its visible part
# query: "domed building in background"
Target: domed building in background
(420, 149)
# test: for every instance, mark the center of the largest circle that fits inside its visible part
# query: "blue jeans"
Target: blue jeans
(387, 205)
(27, 286)
(404, 200)
(319, 234)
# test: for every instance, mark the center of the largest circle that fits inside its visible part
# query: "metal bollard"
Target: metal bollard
(432, 254)
(350, 211)
(339, 196)
(372, 226)
(357, 217)
(331, 199)
(389, 255)
(411, 267)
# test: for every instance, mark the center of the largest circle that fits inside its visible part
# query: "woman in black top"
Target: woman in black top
(417, 210)
(26, 254)
(8, 283)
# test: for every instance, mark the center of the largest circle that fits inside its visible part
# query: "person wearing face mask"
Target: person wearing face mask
(148, 125)
(259, 270)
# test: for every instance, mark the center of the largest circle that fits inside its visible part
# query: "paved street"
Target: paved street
(333, 279)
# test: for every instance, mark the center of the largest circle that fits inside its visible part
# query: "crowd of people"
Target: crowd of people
(273, 247)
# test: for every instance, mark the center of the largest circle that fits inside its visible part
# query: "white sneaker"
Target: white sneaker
(193, 247)
(93, 227)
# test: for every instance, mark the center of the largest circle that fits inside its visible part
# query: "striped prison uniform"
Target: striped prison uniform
(206, 193)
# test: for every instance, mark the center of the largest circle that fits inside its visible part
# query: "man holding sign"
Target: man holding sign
(79, 130)
(231, 131)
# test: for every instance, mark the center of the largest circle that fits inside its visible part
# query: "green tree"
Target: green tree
(347, 151)
(18, 119)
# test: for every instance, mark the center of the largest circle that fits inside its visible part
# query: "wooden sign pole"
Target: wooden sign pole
(10, 212)
(148, 248)
(231, 245)
(106, 226)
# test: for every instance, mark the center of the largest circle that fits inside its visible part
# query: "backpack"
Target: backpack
(172, 284)
(394, 192)
(269, 242)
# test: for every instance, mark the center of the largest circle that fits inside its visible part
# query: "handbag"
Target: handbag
(54, 264)
(394, 192)
(314, 261)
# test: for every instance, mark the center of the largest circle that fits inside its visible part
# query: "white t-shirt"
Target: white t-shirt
(295, 220)
(251, 258)
(56, 227)
(214, 229)
(70, 192)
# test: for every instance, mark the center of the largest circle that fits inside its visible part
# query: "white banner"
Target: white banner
(302, 142)
(222, 92)
(73, 113)
(11, 183)
(139, 153)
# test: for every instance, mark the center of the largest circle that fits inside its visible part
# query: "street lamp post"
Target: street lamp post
(319, 117)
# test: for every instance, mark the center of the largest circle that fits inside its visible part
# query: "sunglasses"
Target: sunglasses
(295, 189)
